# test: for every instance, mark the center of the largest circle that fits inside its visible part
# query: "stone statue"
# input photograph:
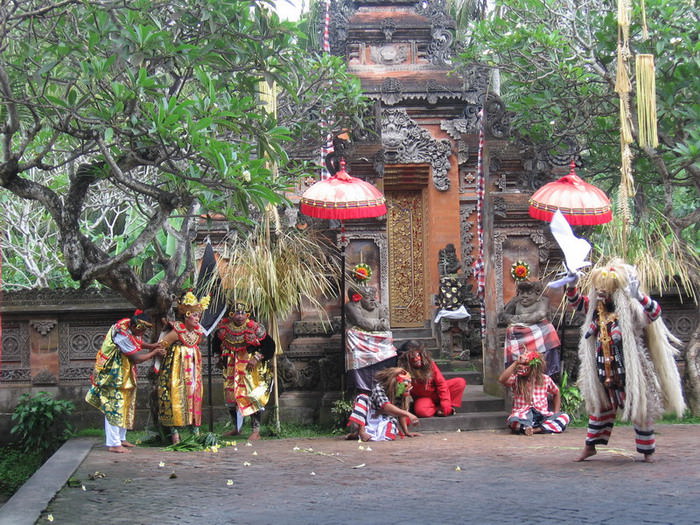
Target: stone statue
(529, 328)
(452, 313)
(369, 341)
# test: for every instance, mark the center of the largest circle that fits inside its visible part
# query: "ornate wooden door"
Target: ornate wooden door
(406, 230)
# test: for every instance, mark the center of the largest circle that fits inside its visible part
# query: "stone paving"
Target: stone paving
(484, 477)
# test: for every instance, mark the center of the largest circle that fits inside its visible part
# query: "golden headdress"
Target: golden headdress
(189, 304)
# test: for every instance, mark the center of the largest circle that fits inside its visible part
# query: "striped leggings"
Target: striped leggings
(600, 427)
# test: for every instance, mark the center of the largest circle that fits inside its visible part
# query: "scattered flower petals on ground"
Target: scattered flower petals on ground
(246, 464)
(313, 473)
(161, 464)
(49, 517)
(255, 452)
(359, 466)
(458, 468)
(229, 482)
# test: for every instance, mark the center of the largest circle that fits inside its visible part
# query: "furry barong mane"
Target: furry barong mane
(652, 383)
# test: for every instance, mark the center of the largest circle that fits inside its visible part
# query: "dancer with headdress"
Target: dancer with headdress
(246, 351)
(532, 390)
(627, 358)
(180, 379)
(113, 389)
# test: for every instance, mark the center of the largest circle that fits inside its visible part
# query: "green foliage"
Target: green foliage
(557, 66)
(195, 442)
(40, 422)
(17, 466)
(572, 400)
(340, 410)
(160, 102)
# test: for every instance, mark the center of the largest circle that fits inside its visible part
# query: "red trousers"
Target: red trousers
(429, 405)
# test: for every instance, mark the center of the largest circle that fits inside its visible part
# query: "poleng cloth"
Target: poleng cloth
(367, 348)
(541, 337)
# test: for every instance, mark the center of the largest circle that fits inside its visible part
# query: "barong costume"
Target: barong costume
(627, 363)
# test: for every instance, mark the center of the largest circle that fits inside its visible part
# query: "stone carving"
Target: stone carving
(389, 55)
(466, 209)
(44, 378)
(440, 50)
(16, 375)
(388, 27)
(391, 91)
(404, 142)
(529, 328)
(452, 314)
(339, 25)
(43, 327)
(500, 236)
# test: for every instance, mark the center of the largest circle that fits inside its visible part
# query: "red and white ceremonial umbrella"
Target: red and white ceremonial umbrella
(342, 197)
(580, 203)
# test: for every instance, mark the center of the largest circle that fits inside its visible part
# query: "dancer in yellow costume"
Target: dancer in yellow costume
(180, 380)
(113, 381)
(245, 351)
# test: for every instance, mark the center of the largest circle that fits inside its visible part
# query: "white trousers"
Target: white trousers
(114, 435)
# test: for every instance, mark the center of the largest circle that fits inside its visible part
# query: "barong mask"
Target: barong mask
(403, 384)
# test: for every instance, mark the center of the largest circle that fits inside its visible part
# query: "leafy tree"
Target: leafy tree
(154, 106)
(557, 63)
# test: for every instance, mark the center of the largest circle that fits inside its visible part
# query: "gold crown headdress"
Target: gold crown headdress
(189, 304)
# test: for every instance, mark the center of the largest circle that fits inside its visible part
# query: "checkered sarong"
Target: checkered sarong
(541, 337)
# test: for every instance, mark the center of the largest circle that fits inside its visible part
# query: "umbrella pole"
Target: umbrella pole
(209, 392)
(343, 343)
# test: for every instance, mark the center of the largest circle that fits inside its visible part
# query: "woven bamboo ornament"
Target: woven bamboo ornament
(646, 101)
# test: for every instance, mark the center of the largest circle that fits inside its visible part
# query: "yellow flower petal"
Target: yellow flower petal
(229, 482)
(161, 464)
(255, 453)
(458, 469)
(49, 517)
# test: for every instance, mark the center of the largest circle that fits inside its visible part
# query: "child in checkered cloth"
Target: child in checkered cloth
(532, 389)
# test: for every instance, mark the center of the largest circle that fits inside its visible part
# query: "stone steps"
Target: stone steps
(479, 410)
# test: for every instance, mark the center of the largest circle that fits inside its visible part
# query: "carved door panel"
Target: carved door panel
(405, 227)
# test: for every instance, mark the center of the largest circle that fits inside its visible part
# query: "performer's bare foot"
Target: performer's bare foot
(254, 436)
(587, 452)
(648, 458)
(119, 450)
(528, 431)
(127, 444)
(351, 436)
(232, 432)
(364, 436)
(175, 438)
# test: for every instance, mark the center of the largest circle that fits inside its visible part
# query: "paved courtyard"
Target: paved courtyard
(479, 477)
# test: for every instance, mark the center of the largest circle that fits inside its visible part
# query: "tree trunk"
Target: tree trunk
(692, 372)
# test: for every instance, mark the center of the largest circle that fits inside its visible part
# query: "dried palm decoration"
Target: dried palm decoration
(646, 101)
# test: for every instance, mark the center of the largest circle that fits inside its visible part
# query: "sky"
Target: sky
(289, 9)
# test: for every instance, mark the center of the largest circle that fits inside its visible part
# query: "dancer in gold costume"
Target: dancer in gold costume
(180, 379)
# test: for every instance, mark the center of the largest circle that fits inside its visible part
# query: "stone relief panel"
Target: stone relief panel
(440, 50)
(373, 249)
(15, 352)
(527, 243)
(390, 54)
(404, 142)
(467, 220)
